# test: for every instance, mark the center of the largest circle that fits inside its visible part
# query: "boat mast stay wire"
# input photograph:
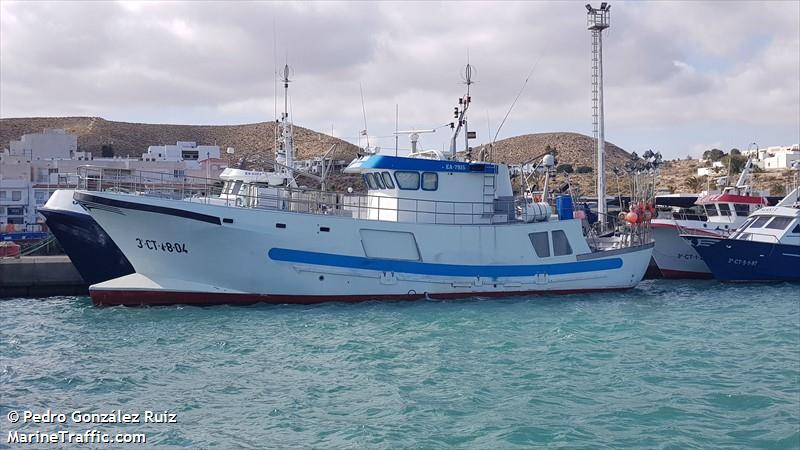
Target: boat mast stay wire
(500, 127)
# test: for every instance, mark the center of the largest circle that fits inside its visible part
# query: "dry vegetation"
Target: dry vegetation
(254, 143)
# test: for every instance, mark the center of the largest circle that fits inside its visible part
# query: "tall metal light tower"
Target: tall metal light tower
(598, 20)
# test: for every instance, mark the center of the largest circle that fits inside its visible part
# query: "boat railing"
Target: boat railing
(617, 233)
(302, 200)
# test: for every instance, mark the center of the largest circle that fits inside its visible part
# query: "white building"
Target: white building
(49, 144)
(708, 171)
(314, 165)
(181, 151)
(774, 158)
(39, 163)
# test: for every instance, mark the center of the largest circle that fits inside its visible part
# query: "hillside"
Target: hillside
(251, 141)
(254, 142)
(572, 148)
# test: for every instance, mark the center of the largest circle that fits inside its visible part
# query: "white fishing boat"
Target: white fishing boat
(724, 213)
(430, 225)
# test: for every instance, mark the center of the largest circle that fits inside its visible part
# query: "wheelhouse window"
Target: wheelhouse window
(430, 181)
(378, 180)
(369, 181)
(724, 209)
(742, 209)
(779, 223)
(759, 223)
(540, 244)
(746, 223)
(796, 229)
(561, 245)
(387, 180)
(711, 210)
(407, 180)
(236, 187)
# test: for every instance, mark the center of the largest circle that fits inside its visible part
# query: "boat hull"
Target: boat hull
(92, 251)
(739, 260)
(138, 291)
(673, 255)
(208, 254)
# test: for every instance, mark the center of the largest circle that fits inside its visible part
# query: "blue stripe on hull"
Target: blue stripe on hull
(735, 260)
(457, 270)
(96, 257)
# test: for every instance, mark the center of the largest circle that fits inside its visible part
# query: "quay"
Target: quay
(40, 276)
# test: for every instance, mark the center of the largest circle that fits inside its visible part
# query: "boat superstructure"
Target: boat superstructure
(430, 224)
(765, 247)
(723, 213)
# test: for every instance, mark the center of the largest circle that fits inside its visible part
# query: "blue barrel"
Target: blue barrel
(564, 207)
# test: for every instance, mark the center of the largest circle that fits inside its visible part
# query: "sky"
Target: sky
(680, 77)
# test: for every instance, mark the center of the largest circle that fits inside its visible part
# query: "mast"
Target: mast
(597, 21)
(460, 114)
(284, 151)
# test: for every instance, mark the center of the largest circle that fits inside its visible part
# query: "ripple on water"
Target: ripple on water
(666, 365)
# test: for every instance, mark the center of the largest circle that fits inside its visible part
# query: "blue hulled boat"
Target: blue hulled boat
(96, 257)
(765, 248)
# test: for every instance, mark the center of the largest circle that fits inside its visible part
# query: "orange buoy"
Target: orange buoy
(632, 217)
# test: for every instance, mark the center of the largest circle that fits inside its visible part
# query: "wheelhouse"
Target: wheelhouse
(729, 207)
(771, 225)
(435, 190)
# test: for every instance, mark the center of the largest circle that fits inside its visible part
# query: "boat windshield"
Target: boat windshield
(742, 209)
(747, 223)
(779, 223)
(759, 223)
(724, 209)
(711, 210)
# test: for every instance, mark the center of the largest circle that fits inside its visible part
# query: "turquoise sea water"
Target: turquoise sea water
(666, 365)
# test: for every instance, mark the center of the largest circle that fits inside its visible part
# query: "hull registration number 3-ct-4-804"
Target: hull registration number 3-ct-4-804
(168, 247)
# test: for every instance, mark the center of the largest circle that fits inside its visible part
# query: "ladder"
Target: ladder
(489, 189)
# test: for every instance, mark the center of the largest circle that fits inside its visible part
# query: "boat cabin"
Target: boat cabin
(772, 225)
(778, 224)
(729, 210)
(434, 190)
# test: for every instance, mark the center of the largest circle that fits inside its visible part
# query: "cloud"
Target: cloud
(669, 66)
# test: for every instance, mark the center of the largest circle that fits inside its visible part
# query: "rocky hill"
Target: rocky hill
(572, 148)
(253, 141)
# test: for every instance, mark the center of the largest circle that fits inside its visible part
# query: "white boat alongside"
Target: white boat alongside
(430, 225)
(440, 240)
(724, 213)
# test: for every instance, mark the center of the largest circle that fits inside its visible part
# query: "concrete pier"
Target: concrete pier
(40, 276)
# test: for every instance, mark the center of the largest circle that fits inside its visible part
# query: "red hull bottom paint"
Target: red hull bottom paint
(666, 273)
(162, 298)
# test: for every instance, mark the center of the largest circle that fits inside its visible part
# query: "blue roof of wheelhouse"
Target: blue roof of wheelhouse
(429, 165)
